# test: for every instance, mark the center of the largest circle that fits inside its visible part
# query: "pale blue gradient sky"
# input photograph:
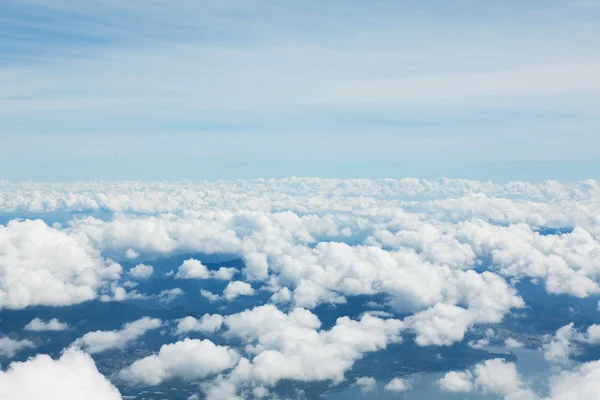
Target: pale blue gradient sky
(122, 89)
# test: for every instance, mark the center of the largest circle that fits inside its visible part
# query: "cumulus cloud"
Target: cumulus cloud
(366, 384)
(99, 341)
(512, 343)
(291, 346)
(188, 359)
(192, 269)
(73, 376)
(582, 383)
(38, 325)
(9, 347)
(396, 385)
(118, 293)
(168, 295)
(210, 296)
(236, 289)
(41, 265)
(208, 323)
(141, 271)
(496, 377)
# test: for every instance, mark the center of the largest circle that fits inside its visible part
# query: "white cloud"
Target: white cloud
(99, 341)
(73, 376)
(457, 382)
(291, 346)
(208, 323)
(209, 295)
(582, 383)
(9, 347)
(188, 359)
(562, 345)
(118, 293)
(396, 385)
(192, 269)
(512, 343)
(168, 295)
(38, 325)
(224, 273)
(495, 377)
(366, 383)
(236, 289)
(34, 272)
(141, 271)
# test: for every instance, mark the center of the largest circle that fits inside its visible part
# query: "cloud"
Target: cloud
(120, 294)
(192, 269)
(188, 359)
(168, 295)
(38, 325)
(582, 383)
(512, 343)
(141, 271)
(495, 377)
(291, 346)
(366, 384)
(224, 273)
(561, 345)
(73, 376)
(457, 382)
(396, 385)
(209, 323)
(209, 295)
(236, 289)
(566, 340)
(41, 265)
(9, 347)
(99, 341)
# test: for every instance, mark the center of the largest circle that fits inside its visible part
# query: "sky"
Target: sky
(123, 89)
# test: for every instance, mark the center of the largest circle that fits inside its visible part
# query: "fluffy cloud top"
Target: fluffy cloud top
(9, 347)
(496, 377)
(141, 271)
(188, 359)
(236, 289)
(98, 341)
(209, 323)
(38, 325)
(73, 376)
(396, 385)
(291, 346)
(192, 269)
(41, 265)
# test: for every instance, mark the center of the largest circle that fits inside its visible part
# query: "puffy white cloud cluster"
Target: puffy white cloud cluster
(582, 383)
(279, 345)
(43, 265)
(290, 193)
(73, 376)
(500, 378)
(564, 343)
(366, 384)
(194, 269)
(98, 341)
(396, 385)
(208, 323)
(168, 295)
(291, 346)
(39, 325)
(496, 377)
(188, 359)
(446, 253)
(141, 271)
(9, 347)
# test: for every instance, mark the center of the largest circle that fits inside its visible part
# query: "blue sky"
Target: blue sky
(121, 89)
